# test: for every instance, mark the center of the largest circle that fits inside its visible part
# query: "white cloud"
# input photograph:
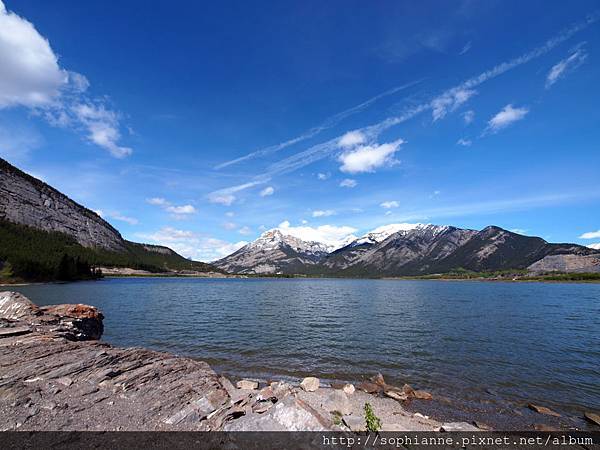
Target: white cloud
(178, 211)
(560, 69)
(323, 176)
(323, 150)
(450, 101)
(230, 214)
(390, 204)
(191, 244)
(122, 218)
(507, 116)
(267, 191)
(331, 235)
(99, 212)
(157, 201)
(184, 209)
(469, 116)
(327, 124)
(595, 246)
(223, 199)
(226, 196)
(323, 213)
(367, 158)
(351, 139)
(30, 74)
(590, 235)
(464, 142)
(348, 183)
(103, 128)
(229, 226)
(245, 231)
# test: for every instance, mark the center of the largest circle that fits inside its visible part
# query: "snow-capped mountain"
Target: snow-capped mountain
(274, 252)
(381, 233)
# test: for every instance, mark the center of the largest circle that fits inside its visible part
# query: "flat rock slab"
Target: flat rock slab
(543, 410)
(58, 376)
(14, 331)
(593, 418)
(458, 426)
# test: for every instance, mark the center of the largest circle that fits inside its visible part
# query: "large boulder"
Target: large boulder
(14, 306)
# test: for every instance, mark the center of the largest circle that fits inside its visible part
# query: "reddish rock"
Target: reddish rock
(378, 379)
(423, 395)
(369, 388)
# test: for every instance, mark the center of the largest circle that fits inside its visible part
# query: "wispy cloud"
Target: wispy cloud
(507, 116)
(449, 101)
(390, 204)
(469, 116)
(267, 191)
(595, 246)
(326, 149)
(464, 142)
(466, 48)
(323, 213)
(226, 196)
(348, 183)
(327, 124)
(122, 218)
(178, 210)
(590, 235)
(573, 61)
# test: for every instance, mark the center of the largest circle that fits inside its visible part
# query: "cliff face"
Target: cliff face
(26, 200)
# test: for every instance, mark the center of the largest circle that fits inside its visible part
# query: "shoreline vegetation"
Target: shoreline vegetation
(58, 375)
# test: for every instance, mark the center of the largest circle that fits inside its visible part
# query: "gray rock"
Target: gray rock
(348, 388)
(310, 384)
(458, 426)
(247, 385)
(336, 400)
(290, 414)
(355, 423)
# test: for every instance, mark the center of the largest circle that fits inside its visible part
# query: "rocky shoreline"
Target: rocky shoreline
(55, 374)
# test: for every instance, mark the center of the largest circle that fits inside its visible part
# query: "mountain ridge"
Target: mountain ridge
(406, 250)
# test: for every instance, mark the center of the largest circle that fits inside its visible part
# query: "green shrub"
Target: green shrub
(373, 422)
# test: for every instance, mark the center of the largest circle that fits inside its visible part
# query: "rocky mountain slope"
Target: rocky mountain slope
(274, 253)
(39, 226)
(406, 250)
(28, 201)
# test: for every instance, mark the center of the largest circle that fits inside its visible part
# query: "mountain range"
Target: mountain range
(44, 233)
(410, 250)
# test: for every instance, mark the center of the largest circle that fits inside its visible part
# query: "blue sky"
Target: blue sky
(200, 125)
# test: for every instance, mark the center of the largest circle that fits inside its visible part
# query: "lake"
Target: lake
(497, 343)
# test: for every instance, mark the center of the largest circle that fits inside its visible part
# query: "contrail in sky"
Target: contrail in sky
(329, 123)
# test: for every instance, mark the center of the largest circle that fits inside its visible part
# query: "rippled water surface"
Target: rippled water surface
(525, 341)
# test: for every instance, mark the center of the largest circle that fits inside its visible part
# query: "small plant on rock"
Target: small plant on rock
(373, 422)
(337, 417)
